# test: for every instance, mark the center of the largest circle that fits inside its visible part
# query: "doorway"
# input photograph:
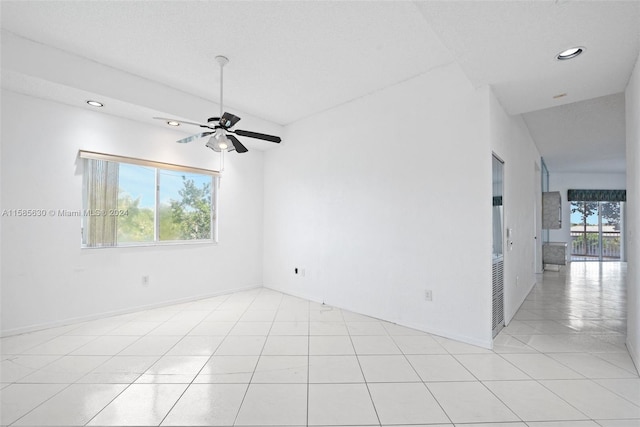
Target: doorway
(498, 246)
(538, 266)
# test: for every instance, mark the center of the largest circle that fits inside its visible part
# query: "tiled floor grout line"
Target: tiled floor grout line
(424, 383)
(366, 383)
(201, 368)
(530, 379)
(41, 403)
(621, 367)
(486, 387)
(591, 354)
(69, 384)
(156, 361)
(235, 419)
(52, 337)
(562, 399)
(613, 391)
(44, 366)
(46, 400)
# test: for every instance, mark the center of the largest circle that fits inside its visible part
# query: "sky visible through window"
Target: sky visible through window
(610, 213)
(576, 218)
(139, 181)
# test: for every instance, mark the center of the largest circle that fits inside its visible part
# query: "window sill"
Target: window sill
(154, 244)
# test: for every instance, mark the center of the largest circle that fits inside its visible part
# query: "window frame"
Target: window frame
(158, 167)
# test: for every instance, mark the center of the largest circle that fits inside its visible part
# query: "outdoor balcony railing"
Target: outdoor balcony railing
(587, 244)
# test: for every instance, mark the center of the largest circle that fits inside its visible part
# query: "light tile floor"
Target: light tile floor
(261, 358)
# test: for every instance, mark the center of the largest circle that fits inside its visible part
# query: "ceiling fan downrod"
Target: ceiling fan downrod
(222, 61)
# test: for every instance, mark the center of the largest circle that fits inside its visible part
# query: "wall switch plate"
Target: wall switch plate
(145, 281)
(428, 295)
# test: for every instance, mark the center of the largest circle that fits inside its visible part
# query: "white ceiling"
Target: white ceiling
(590, 133)
(293, 59)
(511, 45)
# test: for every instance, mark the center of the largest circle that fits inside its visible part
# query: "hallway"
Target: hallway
(262, 358)
(569, 336)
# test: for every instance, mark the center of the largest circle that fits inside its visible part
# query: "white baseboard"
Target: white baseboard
(509, 316)
(456, 337)
(80, 319)
(424, 328)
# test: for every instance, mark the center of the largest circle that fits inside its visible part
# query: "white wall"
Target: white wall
(632, 96)
(512, 142)
(385, 197)
(47, 279)
(559, 181)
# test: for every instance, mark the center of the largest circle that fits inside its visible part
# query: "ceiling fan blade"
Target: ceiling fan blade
(228, 120)
(237, 144)
(183, 122)
(193, 137)
(257, 135)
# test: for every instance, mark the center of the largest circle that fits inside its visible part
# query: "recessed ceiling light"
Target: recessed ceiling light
(173, 123)
(95, 103)
(570, 53)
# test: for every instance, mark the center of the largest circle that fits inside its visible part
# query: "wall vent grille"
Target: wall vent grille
(498, 296)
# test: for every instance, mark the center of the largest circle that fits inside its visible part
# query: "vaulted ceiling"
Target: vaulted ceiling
(290, 60)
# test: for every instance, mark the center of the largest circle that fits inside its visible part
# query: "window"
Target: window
(129, 202)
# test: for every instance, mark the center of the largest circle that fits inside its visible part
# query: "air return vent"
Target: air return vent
(498, 295)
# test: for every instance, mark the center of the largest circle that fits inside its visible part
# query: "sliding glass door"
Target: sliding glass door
(596, 231)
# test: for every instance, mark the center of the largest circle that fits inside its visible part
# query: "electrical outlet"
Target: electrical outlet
(145, 281)
(428, 295)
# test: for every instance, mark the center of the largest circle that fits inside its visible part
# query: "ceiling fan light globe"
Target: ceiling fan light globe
(213, 144)
(222, 141)
(219, 142)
